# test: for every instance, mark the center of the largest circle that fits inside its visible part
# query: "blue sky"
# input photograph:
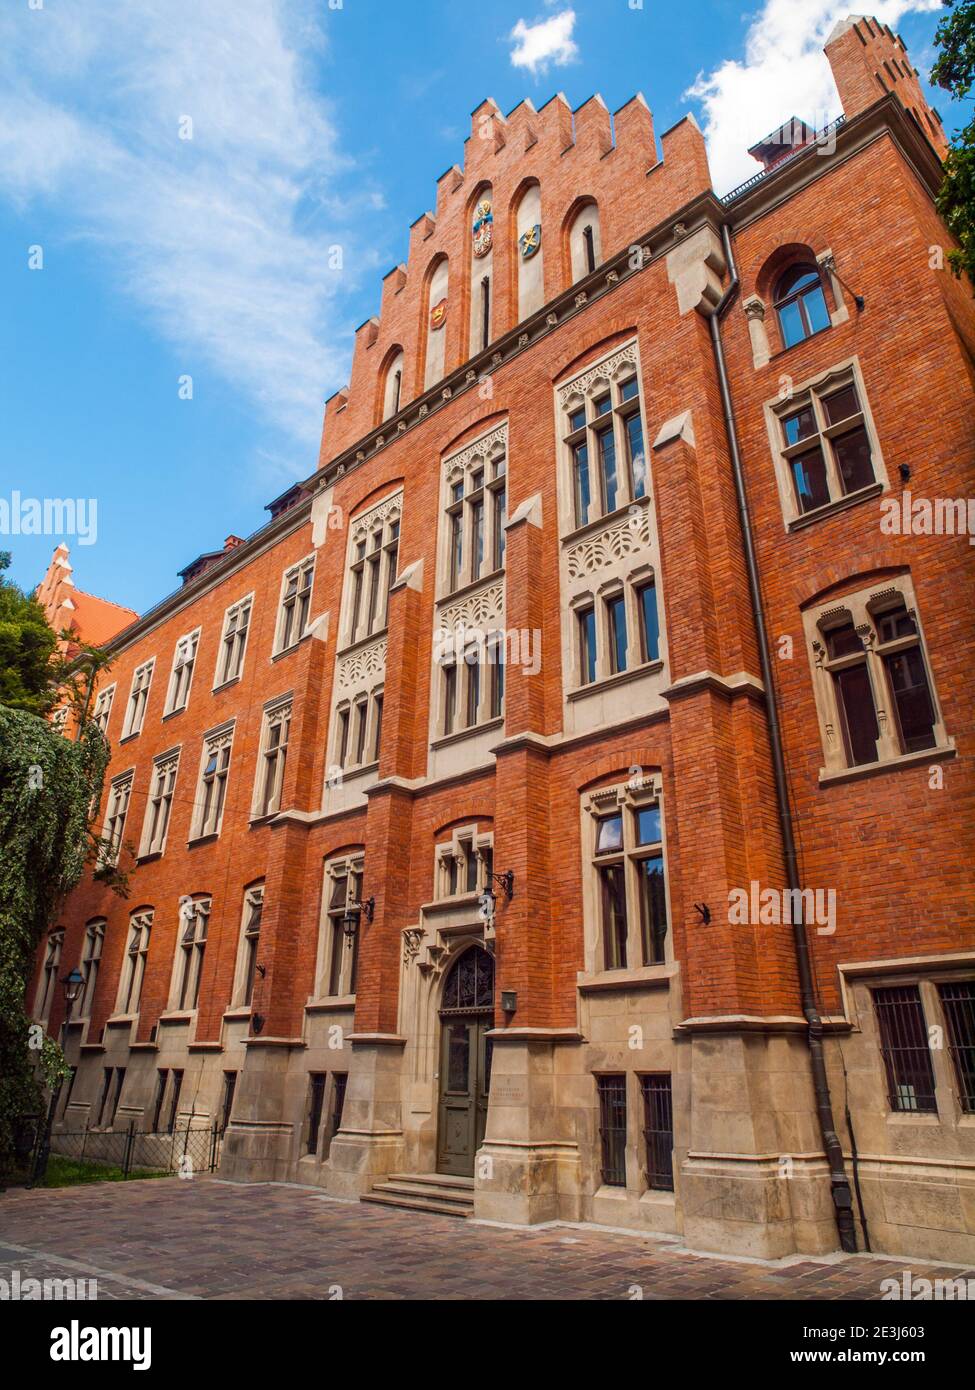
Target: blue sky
(315, 124)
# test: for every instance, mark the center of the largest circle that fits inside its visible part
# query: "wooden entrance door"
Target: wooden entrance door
(467, 1016)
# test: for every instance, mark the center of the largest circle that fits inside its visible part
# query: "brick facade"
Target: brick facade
(721, 1014)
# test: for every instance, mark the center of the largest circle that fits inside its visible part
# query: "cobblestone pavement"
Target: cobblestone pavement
(208, 1239)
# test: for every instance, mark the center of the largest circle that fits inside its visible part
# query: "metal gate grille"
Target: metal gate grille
(658, 1131)
(904, 1044)
(958, 1002)
(612, 1129)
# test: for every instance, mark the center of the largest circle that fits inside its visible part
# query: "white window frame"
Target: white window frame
(277, 714)
(132, 974)
(288, 605)
(91, 956)
(811, 392)
(116, 817)
(246, 970)
(218, 741)
(48, 983)
(184, 655)
(351, 866)
(864, 608)
(162, 791)
(224, 651)
(641, 791)
(359, 624)
(192, 931)
(135, 710)
(467, 846)
(103, 707)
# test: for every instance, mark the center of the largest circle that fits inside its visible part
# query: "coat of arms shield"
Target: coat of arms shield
(482, 228)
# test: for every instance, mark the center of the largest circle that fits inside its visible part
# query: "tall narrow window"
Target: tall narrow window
(646, 597)
(134, 967)
(904, 1046)
(958, 1003)
(194, 921)
(339, 1079)
(373, 560)
(226, 1109)
(612, 1129)
(616, 624)
(658, 1131)
(103, 708)
(393, 385)
(117, 1095)
(90, 961)
(585, 247)
(826, 444)
(253, 911)
(316, 1102)
(49, 975)
(184, 660)
(119, 794)
(854, 693)
(162, 1077)
(485, 311)
(233, 644)
(135, 712)
(177, 1087)
(164, 773)
(900, 651)
(610, 867)
(450, 696)
(295, 604)
(339, 953)
(586, 621)
(273, 759)
(377, 726)
(604, 445)
(214, 773)
(648, 859)
(590, 244)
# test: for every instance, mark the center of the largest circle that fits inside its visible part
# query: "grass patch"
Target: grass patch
(69, 1172)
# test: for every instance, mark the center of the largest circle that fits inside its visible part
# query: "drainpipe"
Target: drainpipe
(839, 1183)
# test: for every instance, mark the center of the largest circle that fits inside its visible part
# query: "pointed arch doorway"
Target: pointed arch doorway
(466, 1017)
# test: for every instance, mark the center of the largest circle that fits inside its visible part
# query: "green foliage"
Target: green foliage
(47, 787)
(27, 647)
(955, 72)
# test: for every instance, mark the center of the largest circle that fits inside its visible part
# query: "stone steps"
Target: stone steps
(437, 1193)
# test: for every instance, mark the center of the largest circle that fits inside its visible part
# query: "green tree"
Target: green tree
(47, 786)
(955, 72)
(27, 649)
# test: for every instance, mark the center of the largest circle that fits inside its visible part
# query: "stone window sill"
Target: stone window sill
(332, 1003)
(646, 668)
(293, 647)
(644, 977)
(852, 774)
(459, 735)
(840, 504)
(225, 685)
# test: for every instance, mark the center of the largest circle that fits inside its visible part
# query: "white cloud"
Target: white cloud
(547, 41)
(223, 239)
(784, 73)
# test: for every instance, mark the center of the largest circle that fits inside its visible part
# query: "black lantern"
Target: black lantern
(350, 922)
(72, 984)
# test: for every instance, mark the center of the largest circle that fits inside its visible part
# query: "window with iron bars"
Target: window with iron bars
(904, 1047)
(612, 1129)
(658, 1131)
(958, 1003)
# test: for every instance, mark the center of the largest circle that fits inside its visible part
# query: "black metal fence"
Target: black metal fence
(183, 1151)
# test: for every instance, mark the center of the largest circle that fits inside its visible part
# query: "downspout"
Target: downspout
(839, 1183)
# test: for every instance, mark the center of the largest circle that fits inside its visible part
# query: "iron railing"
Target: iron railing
(185, 1150)
(612, 1129)
(658, 1131)
(822, 138)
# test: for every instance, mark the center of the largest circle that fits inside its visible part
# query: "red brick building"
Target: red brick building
(473, 797)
